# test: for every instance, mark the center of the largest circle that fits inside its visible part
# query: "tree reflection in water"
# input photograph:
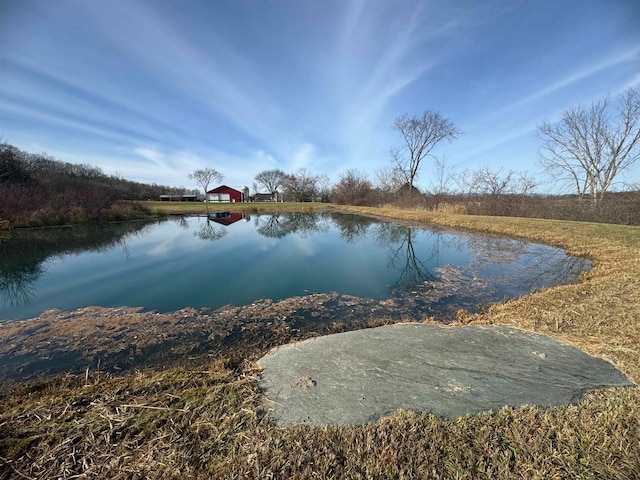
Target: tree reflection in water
(24, 254)
(16, 282)
(486, 267)
(279, 225)
(402, 255)
(210, 231)
(353, 227)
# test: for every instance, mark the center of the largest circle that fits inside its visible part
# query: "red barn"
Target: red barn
(225, 194)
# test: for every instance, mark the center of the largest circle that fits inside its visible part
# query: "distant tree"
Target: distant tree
(494, 183)
(388, 182)
(12, 168)
(443, 177)
(420, 135)
(300, 186)
(588, 148)
(37, 189)
(205, 176)
(353, 188)
(323, 188)
(271, 180)
(526, 184)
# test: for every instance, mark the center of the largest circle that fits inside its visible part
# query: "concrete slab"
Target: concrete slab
(360, 376)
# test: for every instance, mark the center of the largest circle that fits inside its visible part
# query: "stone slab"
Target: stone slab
(360, 376)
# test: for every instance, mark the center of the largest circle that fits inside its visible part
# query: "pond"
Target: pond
(236, 259)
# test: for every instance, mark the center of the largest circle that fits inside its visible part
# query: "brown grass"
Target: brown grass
(208, 423)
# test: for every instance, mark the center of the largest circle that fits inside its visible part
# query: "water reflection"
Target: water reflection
(353, 228)
(254, 282)
(210, 231)
(429, 268)
(25, 254)
(398, 240)
(279, 225)
(16, 281)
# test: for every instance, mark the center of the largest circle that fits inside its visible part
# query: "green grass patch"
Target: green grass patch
(202, 208)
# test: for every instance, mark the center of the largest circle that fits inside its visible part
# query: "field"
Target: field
(195, 208)
(208, 423)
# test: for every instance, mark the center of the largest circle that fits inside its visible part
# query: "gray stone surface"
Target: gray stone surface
(358, 377)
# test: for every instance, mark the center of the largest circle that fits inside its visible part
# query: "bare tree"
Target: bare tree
(420, 135)
(271, 180)
(389, 181)
(205, 176)
(526, 183)
(301, 186)
(323, 188)
(493, 183)
(353, 188)
(443, 177)
(588, 148)
(12, 167)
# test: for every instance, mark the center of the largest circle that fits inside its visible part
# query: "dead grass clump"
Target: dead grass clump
(451, 208)
(338, 327)
(149, 425)
(207, 424)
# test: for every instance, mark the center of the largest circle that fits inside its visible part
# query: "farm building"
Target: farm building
(263, 197)
(267, 197)
(179, 198)
(223, 193)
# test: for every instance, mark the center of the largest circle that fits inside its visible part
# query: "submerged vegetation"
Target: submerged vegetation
(205, 420)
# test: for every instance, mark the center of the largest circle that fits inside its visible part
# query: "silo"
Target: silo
(245, 194)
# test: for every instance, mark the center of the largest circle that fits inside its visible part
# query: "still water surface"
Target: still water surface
(238, 258)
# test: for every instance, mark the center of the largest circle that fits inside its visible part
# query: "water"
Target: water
(237, 258)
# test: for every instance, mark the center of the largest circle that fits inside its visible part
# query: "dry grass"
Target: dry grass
(208, 423)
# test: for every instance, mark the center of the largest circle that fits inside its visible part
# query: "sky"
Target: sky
(153, 89)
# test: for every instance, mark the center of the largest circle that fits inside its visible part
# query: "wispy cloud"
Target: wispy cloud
(381, 59)
(155, 89)
(201, 66)
(304, 156)
(632, 54)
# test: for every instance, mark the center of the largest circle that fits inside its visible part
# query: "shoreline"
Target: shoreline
(155, 421)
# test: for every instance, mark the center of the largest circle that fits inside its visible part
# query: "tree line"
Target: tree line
(584, 152)
(301, 186)
(38, 190)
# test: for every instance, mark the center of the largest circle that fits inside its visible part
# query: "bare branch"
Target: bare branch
(205, 176)
(420, 135)
(588, 149)
(271, 180)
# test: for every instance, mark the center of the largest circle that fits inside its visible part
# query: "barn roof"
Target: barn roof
(223, 188)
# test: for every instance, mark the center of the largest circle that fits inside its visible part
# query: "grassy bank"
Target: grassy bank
(207, 422)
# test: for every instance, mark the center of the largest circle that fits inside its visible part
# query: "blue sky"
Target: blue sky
(152, 90)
